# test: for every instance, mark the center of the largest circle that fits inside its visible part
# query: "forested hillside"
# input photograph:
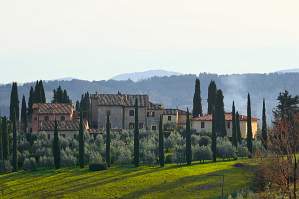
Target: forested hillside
(178, 90)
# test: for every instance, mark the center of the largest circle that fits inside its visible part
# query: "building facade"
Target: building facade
(121, 108)
(204, 124)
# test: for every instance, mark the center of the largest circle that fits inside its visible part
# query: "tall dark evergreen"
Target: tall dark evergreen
(286, 108)
(220, 127)
(234, 127)
(5, 142)
(77, 107)
(81, 142)
(161, 143)
(238, 128)
(214, 136)
(42, 92)
(30, 101)
(14, 102)
(108, 140)
(24, 116)
(14, 145)
(249, 126)
(197, 107)
(264, 126)
(188, 140)
(136, 136)
(60, 96)
(56, 147)
(85, 107)
(212, 92)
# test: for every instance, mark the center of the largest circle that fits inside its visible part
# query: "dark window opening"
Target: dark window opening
(202, 125)
(131, 112)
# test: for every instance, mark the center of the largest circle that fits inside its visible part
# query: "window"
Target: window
(131, 112)
(62, 118)
(108, 112)
(154, 128)
(63, 135)
(169, 118)
(131, 125)
(228, 125)
(153, 114)
(46, 118)
(141, 125)
(202, 125)
(49, 136)
(148, 114)
(35, 118)
(75, 136)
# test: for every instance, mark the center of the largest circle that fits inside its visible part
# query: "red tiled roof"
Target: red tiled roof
(72, 125)
(52, 108)
(120, 100)
(228, 117)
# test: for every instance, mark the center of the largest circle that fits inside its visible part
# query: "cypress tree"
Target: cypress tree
(197, 107)
(234, 127)
(30, 100)
(264, 126)
(14, 102)
(5, 138)
(161, 143)
(81, 143)
(77, 106)
(1, 142)
(14, 146)
(214, 136)
(108, 140)
(42, 92)
(136, 136)
(249, 126)
(37, 93)
(56, 147)
(24, 115)
(212, 91)
(220, 115)
(238, 128)
(188, 140)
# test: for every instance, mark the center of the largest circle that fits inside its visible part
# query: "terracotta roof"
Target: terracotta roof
(120, 100)
(174, 111)
(228, 117)
(72, 125)
(53, 108)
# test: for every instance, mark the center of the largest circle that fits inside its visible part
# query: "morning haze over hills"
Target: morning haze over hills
(174, 89)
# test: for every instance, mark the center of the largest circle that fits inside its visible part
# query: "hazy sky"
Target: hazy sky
(97, 39)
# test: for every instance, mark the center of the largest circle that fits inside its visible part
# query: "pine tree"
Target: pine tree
(214, 136)
(108, 140)
(36, 95)
(249, 126)
(220, 115)
(188, 140)
(77, 106)
(197, 107)
(56, 147)
(264, 126)
(30, 101)
(161, 143)
(14, 146)
(81, 142)
(238, 128)
(136, 136)
(234, 126)
(14, 102)
(212, 92)
(5, 138)
(24, 115)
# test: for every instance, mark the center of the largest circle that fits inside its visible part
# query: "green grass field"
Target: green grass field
(196, 181)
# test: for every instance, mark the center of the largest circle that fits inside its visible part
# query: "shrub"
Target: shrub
(168, 158)
(202, 153)
(98, 167)
(5, 166)
(46, 162)
(242, 151)
(124, 157)
(204, 141)
(29, 164)
(179, 156)
(226, 151)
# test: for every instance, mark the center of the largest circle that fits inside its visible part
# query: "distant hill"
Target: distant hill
(137, 76)
(177, 91)
(293, 70)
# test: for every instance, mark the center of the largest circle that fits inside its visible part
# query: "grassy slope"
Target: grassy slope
(127, 182)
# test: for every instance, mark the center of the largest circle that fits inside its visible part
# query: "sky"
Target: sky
(98, 39)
